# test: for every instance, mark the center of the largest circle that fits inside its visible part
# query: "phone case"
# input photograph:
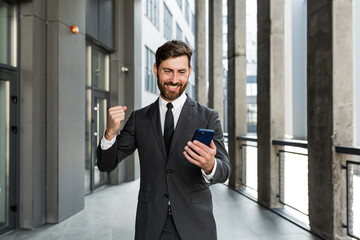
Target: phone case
(204, 135)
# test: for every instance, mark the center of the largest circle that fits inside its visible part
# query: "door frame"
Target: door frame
(8, 73)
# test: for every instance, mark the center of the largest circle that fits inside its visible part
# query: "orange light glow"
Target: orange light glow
(74, 29)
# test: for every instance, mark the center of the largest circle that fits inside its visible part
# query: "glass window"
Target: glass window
(99, 69)
(193, 22)
(167, 23)
(8, 32)
(4, 151)
(251, 65)
(150, 79)
(179, 2)
(187, 12)
(178, 32)
(152, 11)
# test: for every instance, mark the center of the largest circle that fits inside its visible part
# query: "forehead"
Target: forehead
(180, 62)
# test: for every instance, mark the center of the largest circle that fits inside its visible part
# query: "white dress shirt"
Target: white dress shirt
(176, 110)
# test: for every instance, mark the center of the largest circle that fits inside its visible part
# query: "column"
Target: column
(330, 111)
(270, 98)
(66, 77)
(32, 209)
(216, 95)
(236, 85)
(126, 75)
(200, 46)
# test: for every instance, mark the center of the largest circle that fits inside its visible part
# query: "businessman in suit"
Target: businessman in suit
(174, 200)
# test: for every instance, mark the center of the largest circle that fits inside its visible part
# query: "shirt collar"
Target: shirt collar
(176, 103)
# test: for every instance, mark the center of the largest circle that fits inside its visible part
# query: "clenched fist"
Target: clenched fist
(116, 116)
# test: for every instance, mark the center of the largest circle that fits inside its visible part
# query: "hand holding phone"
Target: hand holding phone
(200, 155)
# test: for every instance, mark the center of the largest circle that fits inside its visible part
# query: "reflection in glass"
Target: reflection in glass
(7, 34)
(100, 114)
(100, 69)
(4, 152)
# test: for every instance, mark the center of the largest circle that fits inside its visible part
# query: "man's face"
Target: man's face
(172, 77)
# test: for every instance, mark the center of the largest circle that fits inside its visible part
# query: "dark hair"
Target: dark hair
(171, 49)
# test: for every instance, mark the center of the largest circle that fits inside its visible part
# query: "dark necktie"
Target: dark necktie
(168, 127)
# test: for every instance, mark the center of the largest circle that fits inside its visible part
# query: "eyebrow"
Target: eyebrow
(170, 69)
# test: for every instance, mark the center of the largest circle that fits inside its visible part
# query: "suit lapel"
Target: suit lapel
(184, 117)
(155, 120)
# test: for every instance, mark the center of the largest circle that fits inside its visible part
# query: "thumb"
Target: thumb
(124, 108)
(212, 145)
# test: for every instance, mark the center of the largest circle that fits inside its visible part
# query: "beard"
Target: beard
(168, 94)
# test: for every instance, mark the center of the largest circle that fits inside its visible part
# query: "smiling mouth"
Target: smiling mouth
(172, 87)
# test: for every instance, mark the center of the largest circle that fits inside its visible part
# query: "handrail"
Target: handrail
(291, 142)
(348, 150)
(247, 138)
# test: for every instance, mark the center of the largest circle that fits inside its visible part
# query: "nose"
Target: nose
(175, 78)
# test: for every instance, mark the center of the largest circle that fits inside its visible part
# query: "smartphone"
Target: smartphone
(204, 135)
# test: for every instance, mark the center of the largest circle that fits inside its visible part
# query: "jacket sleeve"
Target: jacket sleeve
(125, 145)
(223, 168)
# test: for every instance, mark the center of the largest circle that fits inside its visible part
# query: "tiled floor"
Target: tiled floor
(109, 214)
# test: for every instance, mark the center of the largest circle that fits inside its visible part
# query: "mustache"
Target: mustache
(173, 84)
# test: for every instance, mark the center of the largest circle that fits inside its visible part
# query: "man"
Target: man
(174, 200)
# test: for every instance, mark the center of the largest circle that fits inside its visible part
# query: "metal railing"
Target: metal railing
(293, 174)
(352, 191)
(249, 168)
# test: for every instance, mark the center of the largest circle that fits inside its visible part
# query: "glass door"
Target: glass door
(8, 153)
(99, 112)
(97, 100)
(97, 103)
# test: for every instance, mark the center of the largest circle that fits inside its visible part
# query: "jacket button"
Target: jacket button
(169, 172)
(166, 195)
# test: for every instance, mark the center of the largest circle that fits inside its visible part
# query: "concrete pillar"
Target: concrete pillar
(330, 111)
(200, 46)
(32, 207)
(216, 95)
(356, 24)
(66, 78)
(119, 75)
(133, 55)
(236, 85)
(270, 98)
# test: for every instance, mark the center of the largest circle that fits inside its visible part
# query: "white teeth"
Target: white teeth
(173, 87)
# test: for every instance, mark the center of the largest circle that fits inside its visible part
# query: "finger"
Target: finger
(193, 154)
(116, 108)
(212, 145)
(191, 160)
(197, 147)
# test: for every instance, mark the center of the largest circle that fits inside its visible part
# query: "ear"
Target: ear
(190, 69)
(155, 70)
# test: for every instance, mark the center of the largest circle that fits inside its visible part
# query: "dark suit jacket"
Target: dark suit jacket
(171, 178)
